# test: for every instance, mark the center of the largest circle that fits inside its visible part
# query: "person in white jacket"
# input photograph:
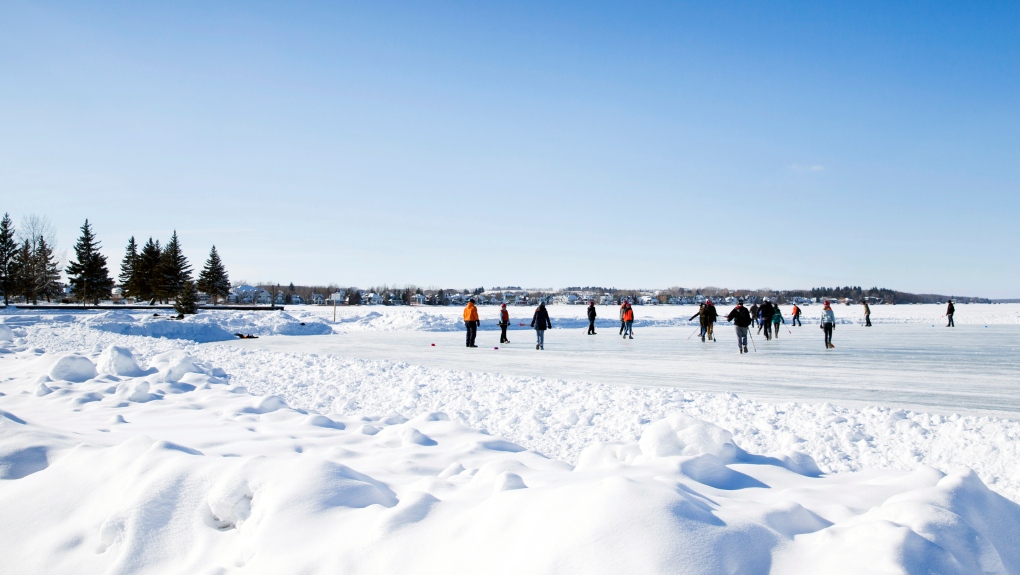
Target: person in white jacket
(828, 323)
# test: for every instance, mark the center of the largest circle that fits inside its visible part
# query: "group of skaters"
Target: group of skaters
(767, 317)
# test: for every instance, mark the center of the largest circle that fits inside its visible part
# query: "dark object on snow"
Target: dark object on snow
(180, 316)
(249, 336)
(302, 323)
(155, 315)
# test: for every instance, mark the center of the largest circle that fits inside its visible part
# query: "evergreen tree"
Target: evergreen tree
(23, 272)
(47, 274)
(8, 249)
(173, 270)
(146, 267)
(213, 280)
(128, 279)
(186, 299)
(89, 278)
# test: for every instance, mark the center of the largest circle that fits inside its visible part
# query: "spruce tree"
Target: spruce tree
(173, 270)
(145, 271)
(47, 274)
(8, 248)
(127, 278)
(213, 280)
(89, 278)
(186, 299)
(23, 272)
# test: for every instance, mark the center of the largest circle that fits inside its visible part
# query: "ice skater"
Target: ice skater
(828, 323)
(949, 313)
(504, 322)
(796, 316)
(471, 322)
(540, 321)
(754, 315)
(712, 316)
(765, 318)
(623, 308)
(591, 318)
(628, 321)
(867, 314)
(701, 315)
(741, 318)
(777, 318)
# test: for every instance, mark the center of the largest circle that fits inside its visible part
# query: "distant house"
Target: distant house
(418, 299)
(318, 299)
(248, 295)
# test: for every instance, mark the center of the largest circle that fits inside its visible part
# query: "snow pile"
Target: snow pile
(399, 319)
(99, 477)
(207, 326)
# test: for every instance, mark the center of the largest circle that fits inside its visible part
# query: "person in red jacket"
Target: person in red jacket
(504, 321)
(471, 322)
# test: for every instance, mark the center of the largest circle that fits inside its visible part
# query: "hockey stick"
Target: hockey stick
(752, 342)
(692, 335)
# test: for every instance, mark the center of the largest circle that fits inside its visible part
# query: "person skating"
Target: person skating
(867, 314)
(949, 313)
(471, 322)
(591, 318)
(712, 316)
(828, 323)
(540, 321)
(701, 315)
(628, 321)
(504, 322)
(765, 317)
(741, 318)
(777, 318)
(754, 315)
(623, 308)
(796, 316)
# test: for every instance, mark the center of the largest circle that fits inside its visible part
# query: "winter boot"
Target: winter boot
(745, 349)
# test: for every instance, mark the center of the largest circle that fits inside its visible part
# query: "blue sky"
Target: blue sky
(783, 145)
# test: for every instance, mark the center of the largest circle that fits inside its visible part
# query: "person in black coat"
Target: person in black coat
(754, 314)
(540, 321)
(591, 318)
(742, 320)
(949, 313)
(765, 313)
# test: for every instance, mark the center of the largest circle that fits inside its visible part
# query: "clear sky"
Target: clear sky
(738, 144)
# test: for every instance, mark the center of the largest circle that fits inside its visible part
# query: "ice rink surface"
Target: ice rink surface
(969, 369)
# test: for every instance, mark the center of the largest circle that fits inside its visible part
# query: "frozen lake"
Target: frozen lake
(970, 369)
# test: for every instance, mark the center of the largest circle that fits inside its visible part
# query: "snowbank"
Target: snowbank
(207, 326)
(180, 470)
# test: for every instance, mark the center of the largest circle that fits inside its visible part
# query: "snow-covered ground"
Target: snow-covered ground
(371, 451)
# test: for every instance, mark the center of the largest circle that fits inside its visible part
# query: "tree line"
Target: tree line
(28, 268)
(151, 273)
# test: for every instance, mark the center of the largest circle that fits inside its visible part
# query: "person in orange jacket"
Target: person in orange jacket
(471, 322)
(628, 321)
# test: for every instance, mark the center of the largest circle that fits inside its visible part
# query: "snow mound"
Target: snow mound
(208, 326)
(214, 478)
(73, 368)
(398, 320)
(176, 365)
(120, 361)
(6, 333)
